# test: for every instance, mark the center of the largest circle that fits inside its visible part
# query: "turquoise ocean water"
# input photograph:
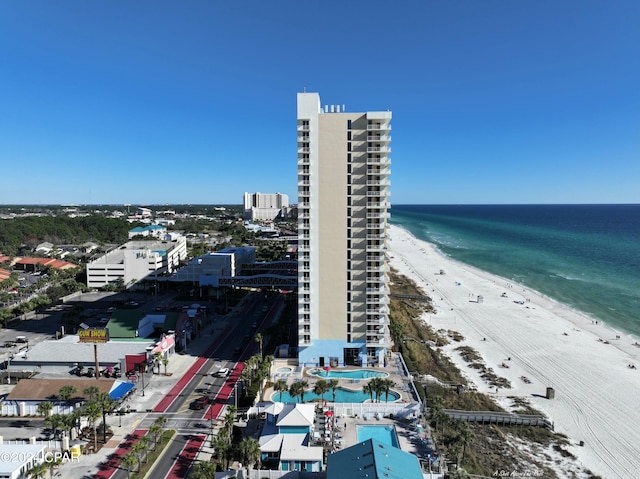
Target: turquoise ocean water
(585, 256)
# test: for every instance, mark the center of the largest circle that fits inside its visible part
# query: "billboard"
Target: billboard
(94, 335)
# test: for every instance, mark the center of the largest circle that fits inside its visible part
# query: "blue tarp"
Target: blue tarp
(120, 389)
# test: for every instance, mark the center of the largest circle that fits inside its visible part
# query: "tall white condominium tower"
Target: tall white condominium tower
(343, 276)
(264, 206)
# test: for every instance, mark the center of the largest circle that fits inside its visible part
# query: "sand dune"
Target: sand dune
(597, 395)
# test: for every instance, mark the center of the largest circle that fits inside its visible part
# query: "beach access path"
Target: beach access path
(586, 363)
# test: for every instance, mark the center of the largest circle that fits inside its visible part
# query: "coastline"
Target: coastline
(548, 342)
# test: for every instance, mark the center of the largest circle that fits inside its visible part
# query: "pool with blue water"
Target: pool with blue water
(348, 374)
(342, 396)
(385, 434)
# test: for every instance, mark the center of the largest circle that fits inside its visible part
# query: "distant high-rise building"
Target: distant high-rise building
(343, 190)
(264, 206)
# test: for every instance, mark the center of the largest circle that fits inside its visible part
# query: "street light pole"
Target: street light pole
(9, 368)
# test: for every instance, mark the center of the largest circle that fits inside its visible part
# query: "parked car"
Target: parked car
(91, 372)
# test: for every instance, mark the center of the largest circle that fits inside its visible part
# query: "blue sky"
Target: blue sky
(150, 102)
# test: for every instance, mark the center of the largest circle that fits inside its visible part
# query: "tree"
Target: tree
(91, 392)
(137, 449)
(38, 471)
(155, 430)
(368, 389)
(321, 388)
(66, 393)
(250, 451)
(386, 385)
(128, 461)
(165, 363)
(258, 339)
(280, 386)
(229, 420)
(333, 386)
(222, 448)
(44, 408)
(203, 470)
(54, 422)
(93, 411)
(161, 421)
(106, 404)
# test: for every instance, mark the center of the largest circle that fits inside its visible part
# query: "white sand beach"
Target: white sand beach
(597, 394)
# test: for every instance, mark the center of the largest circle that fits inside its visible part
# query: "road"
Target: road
(192, 426)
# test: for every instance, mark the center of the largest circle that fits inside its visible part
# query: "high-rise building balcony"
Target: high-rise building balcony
(379, 138)
(303, 128)
(381, 182)
(374, 215)
(379, 127)
(382, 161)
(379, 171)
(379, 149)
(304, 149)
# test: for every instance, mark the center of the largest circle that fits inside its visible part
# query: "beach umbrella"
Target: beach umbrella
(327, 368)
(328, 413)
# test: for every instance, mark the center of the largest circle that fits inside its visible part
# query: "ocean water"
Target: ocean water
(585, 256)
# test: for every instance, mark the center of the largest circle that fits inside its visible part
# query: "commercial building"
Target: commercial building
(136, 260)
(343, 191)
(264, 206)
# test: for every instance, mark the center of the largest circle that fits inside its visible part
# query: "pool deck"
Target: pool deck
(411, 437)
(393, 369)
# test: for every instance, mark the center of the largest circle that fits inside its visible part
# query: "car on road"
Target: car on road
(200, 403)
(222, 373)
(111, 309)
(104, 320)
(237, 351)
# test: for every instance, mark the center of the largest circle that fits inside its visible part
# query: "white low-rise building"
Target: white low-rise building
(135, 261)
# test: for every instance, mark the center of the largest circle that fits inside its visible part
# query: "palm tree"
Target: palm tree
(368, 389)
(44, 408)
(128, 461)
(93, 411)
(106, 404)
(296, 389)
(222, 448)
(386, 384)
(258, 339)
(52, 465)
(303, 387)
(136, 450)
(376, 388)
(203, 470)
(144, 442)
(155, 430)
(38, 471)
(333, 386)
(165, 362)
(465, 435)
(321, 388)
(280, 386)
(250, 451)
(229, 419)
(54, 422)
(161, 421)
(66, 392)
(90, 392)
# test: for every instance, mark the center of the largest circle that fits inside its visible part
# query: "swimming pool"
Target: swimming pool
(284, 370)
(342, 395)
(384, 434)
(349, 374)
